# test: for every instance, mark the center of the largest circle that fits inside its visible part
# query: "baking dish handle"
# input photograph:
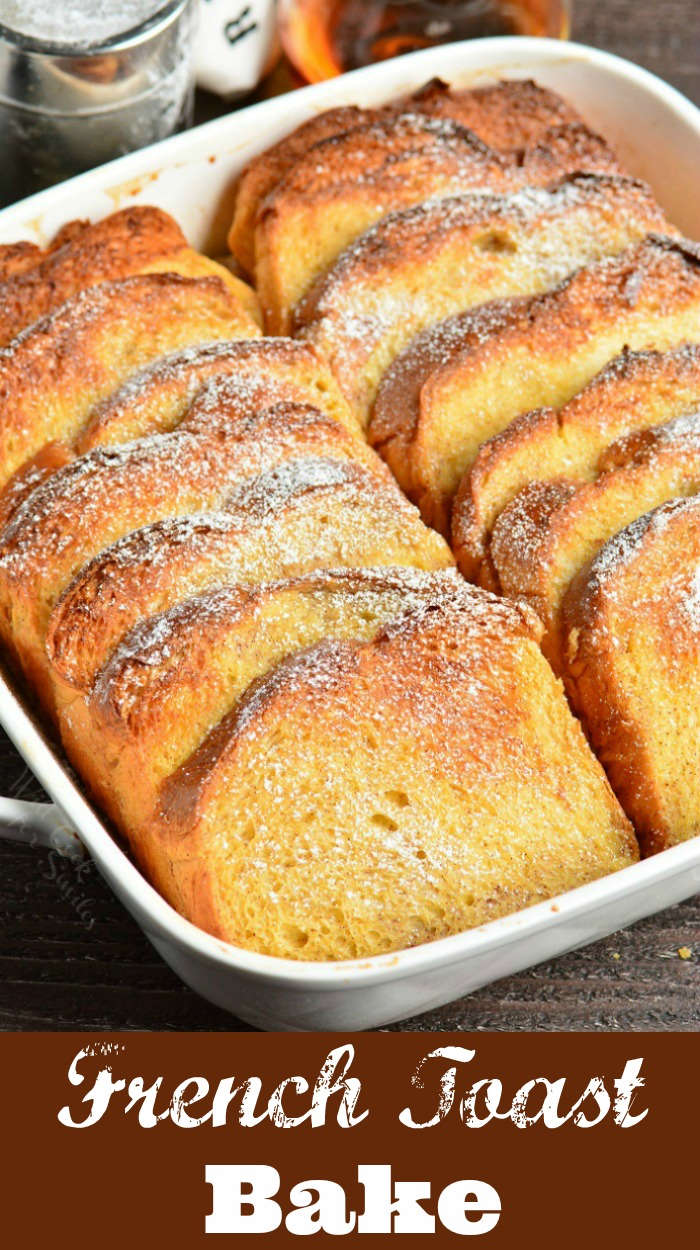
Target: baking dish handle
(39, 824)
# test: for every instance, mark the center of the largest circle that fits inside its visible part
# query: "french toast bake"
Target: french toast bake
(320, 741)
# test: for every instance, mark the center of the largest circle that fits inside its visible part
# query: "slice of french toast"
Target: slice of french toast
(310, 513)
(176, 675)
(634, 391)
(53, 373)
(141, 239)
(346, 183)
(365, 797)
(416, 267)
(83, 255)
(551, 530)
(504, 360)
(97, 499)
(632, 668)
(506, 115)
(156, 399)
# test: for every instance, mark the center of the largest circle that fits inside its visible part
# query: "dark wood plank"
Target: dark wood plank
(664, 38)
(71, 957)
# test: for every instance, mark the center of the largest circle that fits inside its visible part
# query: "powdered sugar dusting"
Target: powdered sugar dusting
(690, 603)
(622, 549)
(420, 265)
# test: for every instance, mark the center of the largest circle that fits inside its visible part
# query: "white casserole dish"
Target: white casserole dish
(657, 133)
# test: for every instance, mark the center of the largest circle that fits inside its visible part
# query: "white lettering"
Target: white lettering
(462, 1198)
(228, 1199)
(325, 1215)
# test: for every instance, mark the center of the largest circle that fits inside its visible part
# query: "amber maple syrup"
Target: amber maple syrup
(323, 38)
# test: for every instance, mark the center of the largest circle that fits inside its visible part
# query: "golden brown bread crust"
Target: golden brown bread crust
(176, 675)
(54, 372)
(434, 735)
(551, 530)
(122, 244)
(266, 170)
(506, 115)
(509, 115)
(322, 514)
(349, 181)
(17, 258)
(632, 622)
(415, 267)
(634, 391)
(94, 501)
(155, 399)
(541, 352)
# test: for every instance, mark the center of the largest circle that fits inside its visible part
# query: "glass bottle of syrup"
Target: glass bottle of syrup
(323, 38)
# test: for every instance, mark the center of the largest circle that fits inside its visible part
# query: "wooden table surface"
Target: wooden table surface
(71, 957)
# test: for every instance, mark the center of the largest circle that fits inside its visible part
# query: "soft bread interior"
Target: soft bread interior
(506, 115)
(178, 674)
(90, 504)
(313, 513)
(416, 267)
(635, 391)
(440, 821)
(649, 296)
(349, 181)
(632, 650)
(550, 532)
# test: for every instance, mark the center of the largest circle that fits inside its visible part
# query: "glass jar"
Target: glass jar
(93, 90)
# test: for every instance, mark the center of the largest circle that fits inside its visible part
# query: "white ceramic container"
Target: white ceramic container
(657, 133)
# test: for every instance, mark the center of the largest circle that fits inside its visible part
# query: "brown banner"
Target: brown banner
(507, 1139)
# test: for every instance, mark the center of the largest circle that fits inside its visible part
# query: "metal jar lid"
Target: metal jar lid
(78, 77)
